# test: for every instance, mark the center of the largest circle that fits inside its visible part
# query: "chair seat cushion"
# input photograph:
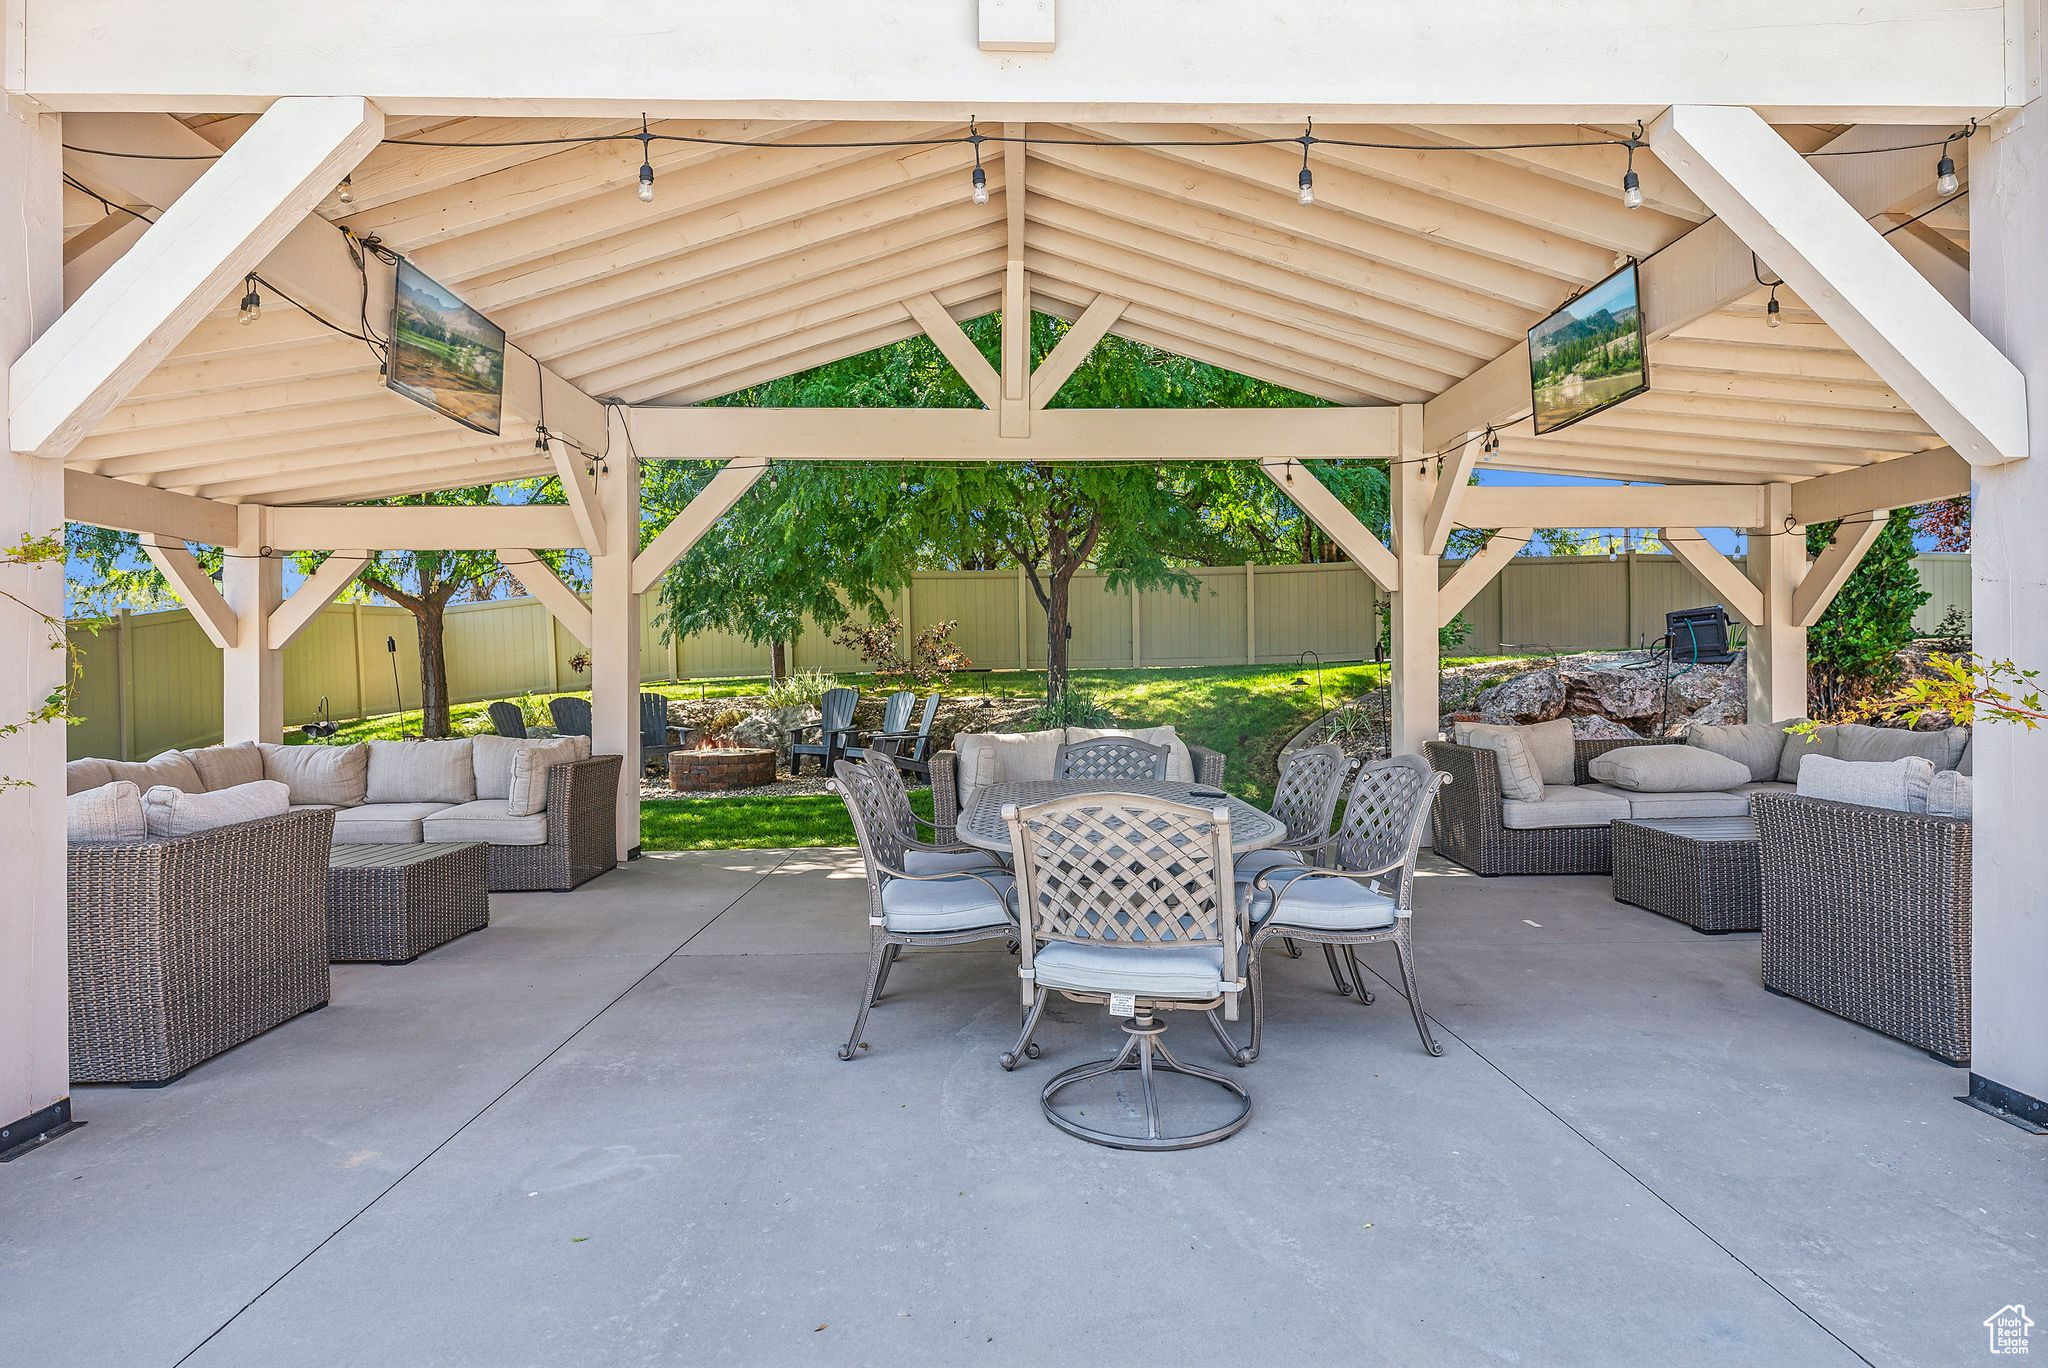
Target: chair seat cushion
(1565, 805)
(490, 820)
(382, 823)
(1254, 862)
(911, 905)
(1193, 972)
(1326, 904)
(947, 861)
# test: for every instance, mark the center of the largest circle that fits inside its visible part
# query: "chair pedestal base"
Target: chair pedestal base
(1146, 1055)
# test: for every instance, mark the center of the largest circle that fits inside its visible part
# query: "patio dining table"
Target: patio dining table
(983, 827)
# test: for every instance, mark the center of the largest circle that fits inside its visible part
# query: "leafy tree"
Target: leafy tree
(1946, 522)
(1853, 650)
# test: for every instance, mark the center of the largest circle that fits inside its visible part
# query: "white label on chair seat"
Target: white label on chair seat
(1123, 1004)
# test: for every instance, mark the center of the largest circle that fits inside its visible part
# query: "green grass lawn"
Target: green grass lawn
(802, 819)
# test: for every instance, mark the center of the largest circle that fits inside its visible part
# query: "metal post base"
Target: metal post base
(1145, 1053)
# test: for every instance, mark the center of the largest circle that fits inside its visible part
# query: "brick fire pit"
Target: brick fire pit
(716, 769)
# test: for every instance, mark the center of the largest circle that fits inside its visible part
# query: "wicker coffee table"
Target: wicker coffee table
(390, 904)
(1701, 871)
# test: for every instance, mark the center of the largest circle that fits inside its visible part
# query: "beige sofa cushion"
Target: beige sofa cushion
(1520, 777)
(170, 812)
(224, 767)
(1942, 749)
(1180, 766)
(490, 820)
(1564, 805)
(493, 763)
(1948, 795)
(1003, 757)
(422, 771)
(336, 776)
(83, 776)
(1708, 804)
(1900, 785)
(381, 823)
(1759, 746)
(1667, 769)
(528, 793)
(108, 815)
(1550, 744)
(171, 769)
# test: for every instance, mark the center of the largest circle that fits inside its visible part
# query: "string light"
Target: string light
(1632, 184)
(1306, 180)
(1945, 179)
(646, 188)
(346, 191)
(980, 180)
(1771, 315)
(252, 302)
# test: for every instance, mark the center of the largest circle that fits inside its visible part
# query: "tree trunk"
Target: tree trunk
(778, 662)
(434, 723)
(1058, 601)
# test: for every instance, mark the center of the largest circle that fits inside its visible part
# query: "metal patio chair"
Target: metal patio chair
(906, 908)
(833, 727)
(1311, 782)
(921, 855)
(572, 716)
(1107, 759)
(1359, 892)
(507, 719)
(1128, 901)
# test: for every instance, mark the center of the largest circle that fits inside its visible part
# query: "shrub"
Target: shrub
(1070, 708)
(802, 689)
(1952, 633)
(933, 656)
(724, 720)
(1853, 650)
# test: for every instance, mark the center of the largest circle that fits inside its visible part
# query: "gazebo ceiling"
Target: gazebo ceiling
(1410, 272)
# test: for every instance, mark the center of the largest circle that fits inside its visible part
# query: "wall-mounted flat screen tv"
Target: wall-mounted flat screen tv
(445, 354)
(1589, 355)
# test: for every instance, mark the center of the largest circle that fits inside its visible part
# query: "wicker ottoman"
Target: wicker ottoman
(390, 904)
(1698, 870)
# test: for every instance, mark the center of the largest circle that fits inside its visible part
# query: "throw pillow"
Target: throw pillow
(494, 763)
(422, 771)
(1759, 746)
(336, 776)
(1519, 776)
(170, 768)
(1668, 769)
(172, 812)
(1966, 762)
(1827, 741)
(1948, 795)
(1939, 748)
(223, 767)
(81, 776)
(1900, 785)
(530, 766)
(1551, 744)
(108, 815)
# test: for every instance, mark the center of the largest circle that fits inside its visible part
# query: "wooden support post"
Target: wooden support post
(1777, 641)
(35, 1073)
(615, 638)
(252, 673)
(1015, 411)
(1413, 663)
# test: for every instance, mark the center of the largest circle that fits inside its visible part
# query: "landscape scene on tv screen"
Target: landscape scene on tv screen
(444, 353)
(1588, 355)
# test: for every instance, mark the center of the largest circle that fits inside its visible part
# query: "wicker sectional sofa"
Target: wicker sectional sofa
(976, 759)
(1470, 829)
(406, 792)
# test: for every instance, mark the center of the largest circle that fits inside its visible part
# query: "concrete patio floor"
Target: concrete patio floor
(611, 1129)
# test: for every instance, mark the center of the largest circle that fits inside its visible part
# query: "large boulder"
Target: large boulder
(1589, 727)
(1621, 695)
(1537, 696)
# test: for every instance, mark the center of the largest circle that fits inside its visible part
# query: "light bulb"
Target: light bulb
(646, 183)
(1612, 555)
(1632, 190)
(347, 193)
(252, 306)
(1771, 316)
(1307, 181)
(980, 186)
(1945, 175)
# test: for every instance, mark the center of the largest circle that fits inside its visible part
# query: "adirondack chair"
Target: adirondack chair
(657, 738)
(507, 720)
(895, 717)
(911, 751)
(832, 730)
(572, 716)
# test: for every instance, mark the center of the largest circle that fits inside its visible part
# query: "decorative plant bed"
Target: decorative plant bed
(715, 769)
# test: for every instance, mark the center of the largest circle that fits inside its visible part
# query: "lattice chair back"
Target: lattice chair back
(1103, 869)
(507, 720)
(1311, 780)
(896, 711)
(835, 710)
(869, 804)
(572, 716)
(1384, 816)
(1110, 759)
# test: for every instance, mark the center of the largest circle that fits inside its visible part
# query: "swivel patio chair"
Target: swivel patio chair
(1362, 890)
(908, 909)
(910, 751)
(1128, 901)
(507, 720)
(1311, 781)
(1108, 759)
(572, 716)
(833, 727)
